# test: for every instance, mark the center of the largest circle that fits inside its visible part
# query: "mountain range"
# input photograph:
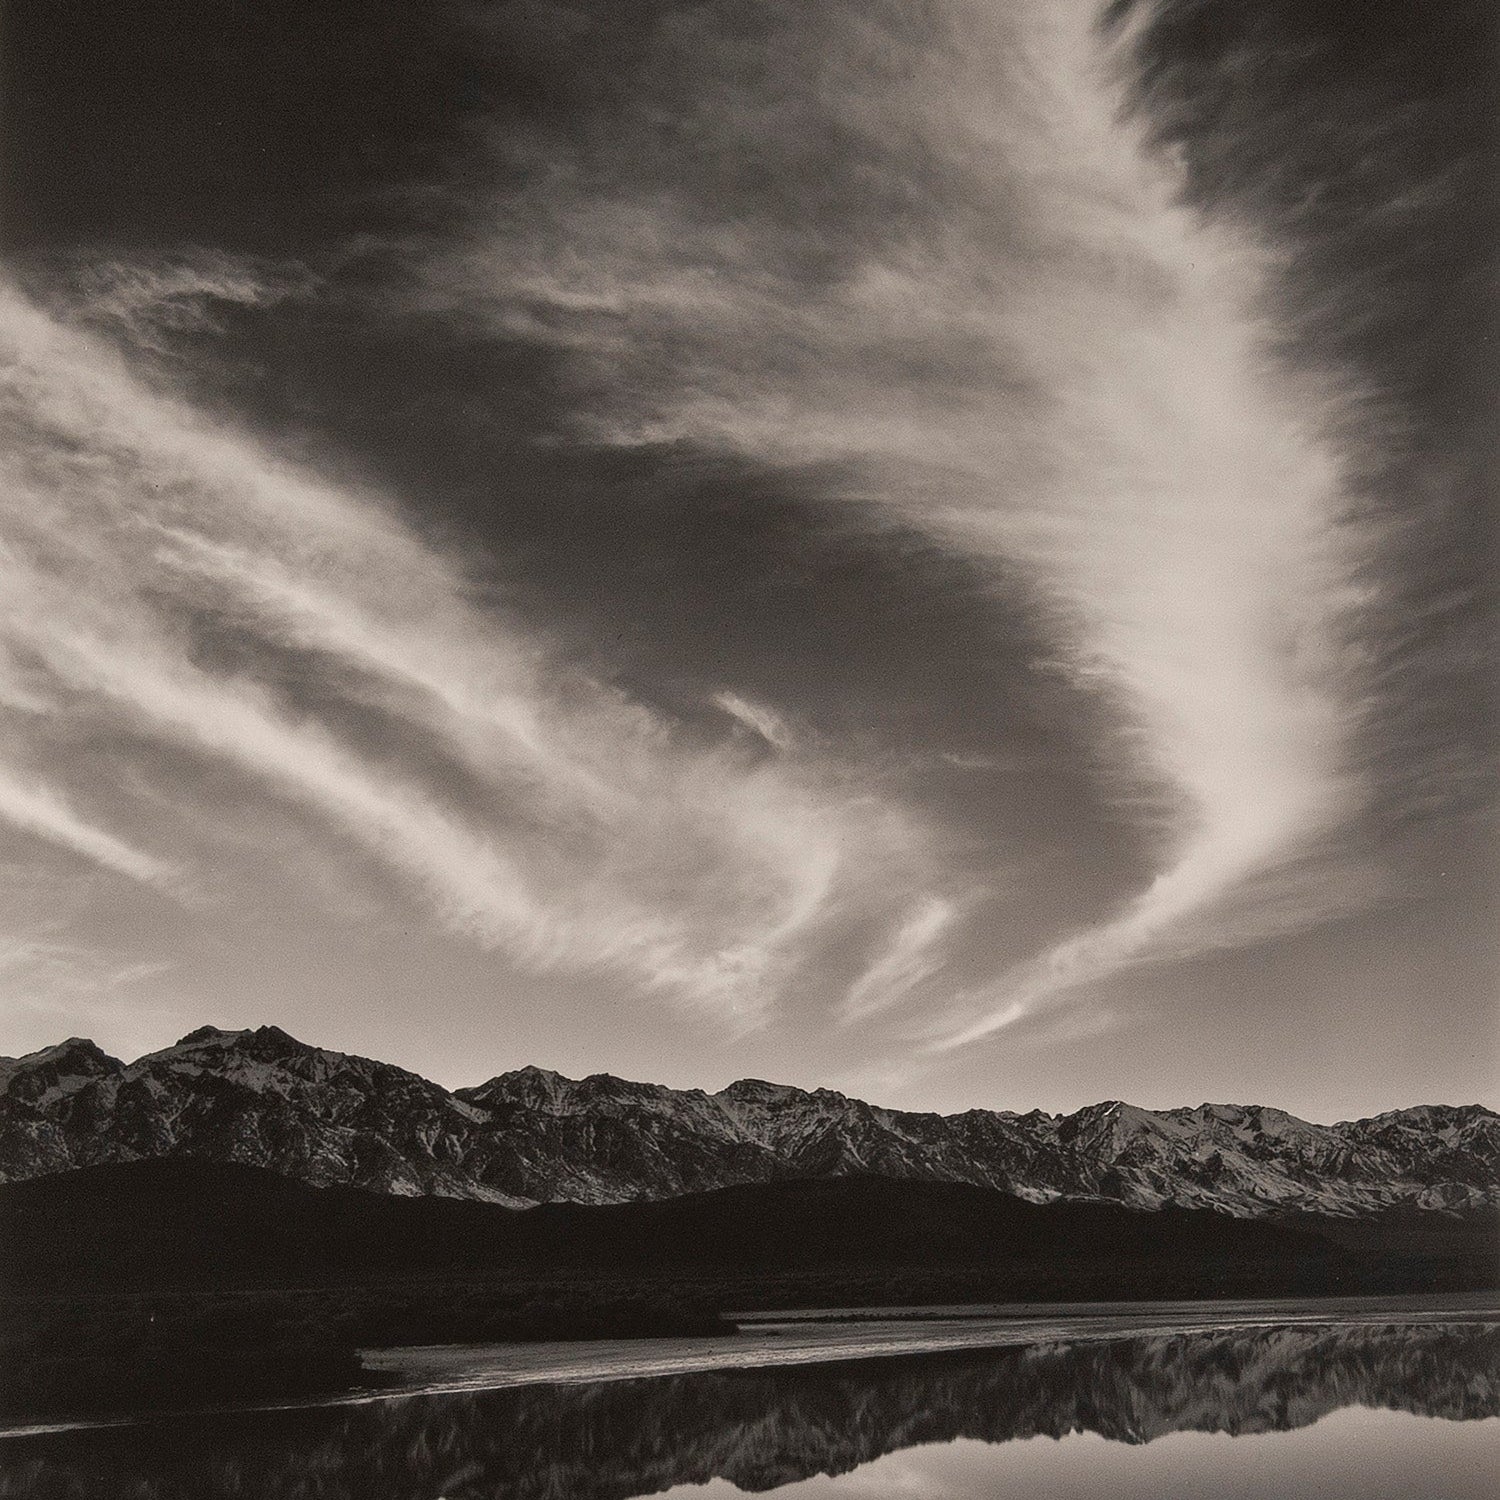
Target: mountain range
(261, 1098)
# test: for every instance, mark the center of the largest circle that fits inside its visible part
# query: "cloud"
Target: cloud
(54, 974)
(185, 293)
(491, 716)
(41, 810)
(51, 987)
(757, 718)
(963, 762)
(904, 963)
(187, 602)
(934, 261)
(474, 886)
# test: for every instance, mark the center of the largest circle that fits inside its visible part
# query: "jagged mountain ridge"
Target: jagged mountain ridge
(262, 1098)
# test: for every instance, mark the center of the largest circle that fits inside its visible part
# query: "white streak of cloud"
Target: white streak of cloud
(905, 963)
(177, 585)
(43, 811)
(495, 718)
(756, 717)
(186, 293)
(475, 887)
(1050, 361)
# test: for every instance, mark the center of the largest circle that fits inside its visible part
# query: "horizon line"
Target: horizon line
(205, 1031)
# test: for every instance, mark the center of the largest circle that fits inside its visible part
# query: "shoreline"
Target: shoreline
(815, 1336)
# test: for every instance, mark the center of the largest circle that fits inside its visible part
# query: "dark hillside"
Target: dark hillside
(182, 1224)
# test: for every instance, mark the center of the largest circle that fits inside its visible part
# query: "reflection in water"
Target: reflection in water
(761, 1429)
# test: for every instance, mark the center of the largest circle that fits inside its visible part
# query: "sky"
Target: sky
(941, 550)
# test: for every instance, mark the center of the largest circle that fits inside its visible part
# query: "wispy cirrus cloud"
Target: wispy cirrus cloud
(172, 583)
(36, 808)
(909, 959)
(757, 718)
(986, 310)
(150, 301)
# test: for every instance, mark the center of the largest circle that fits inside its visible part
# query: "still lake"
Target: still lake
(1322, 1403)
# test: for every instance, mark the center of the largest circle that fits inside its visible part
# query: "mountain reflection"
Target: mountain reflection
(764, 1428)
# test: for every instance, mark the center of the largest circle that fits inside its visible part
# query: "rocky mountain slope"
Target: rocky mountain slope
(262, 1098)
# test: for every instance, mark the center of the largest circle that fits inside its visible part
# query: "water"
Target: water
(1349, 1411)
